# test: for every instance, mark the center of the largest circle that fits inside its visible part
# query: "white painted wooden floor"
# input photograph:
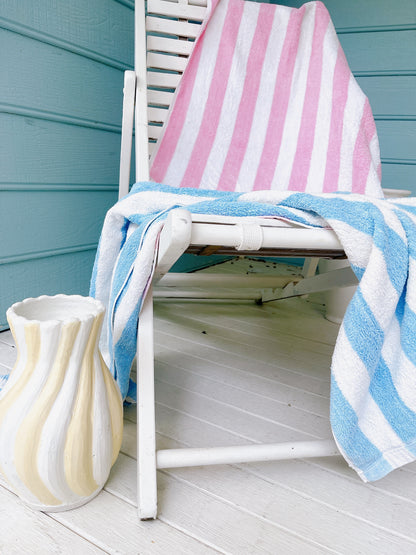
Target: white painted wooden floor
(229, 373)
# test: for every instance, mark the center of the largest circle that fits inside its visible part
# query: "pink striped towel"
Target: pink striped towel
(268, 102)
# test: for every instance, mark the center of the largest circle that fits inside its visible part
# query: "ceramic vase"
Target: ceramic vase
(61, 413)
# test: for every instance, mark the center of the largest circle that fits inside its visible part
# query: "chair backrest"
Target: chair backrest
(300, 122)
(169, 28)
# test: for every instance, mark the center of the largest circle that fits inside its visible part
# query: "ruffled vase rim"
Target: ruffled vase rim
(54, 310)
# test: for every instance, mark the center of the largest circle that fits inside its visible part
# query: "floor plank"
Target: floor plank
(218, 350)
(230, 341)
(25, 531)
(213, 519)
(261, 405)
(106, 524)
(268, 381)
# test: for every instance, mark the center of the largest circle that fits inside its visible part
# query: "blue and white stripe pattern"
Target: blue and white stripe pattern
(373, 391)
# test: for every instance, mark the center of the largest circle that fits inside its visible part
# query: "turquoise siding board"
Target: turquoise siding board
(391, 96)
(399, 175)
(98, 29)
(68, 93)
(66, 213)
(62, 66)
(380, 52)
(398, 140)
(44, 151)
(65, 272)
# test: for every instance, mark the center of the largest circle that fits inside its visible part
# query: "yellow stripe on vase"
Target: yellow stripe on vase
(115, 405)
(78, 453)
(29, 434)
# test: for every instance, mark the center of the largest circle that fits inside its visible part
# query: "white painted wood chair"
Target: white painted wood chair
(147, 94)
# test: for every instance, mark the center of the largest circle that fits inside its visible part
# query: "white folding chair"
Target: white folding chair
(169, 28)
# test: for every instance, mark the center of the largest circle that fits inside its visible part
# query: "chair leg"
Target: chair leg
(310, 266)
(146, 431)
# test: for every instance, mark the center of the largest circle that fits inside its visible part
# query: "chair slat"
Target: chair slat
(173, 46)
(163, 80)
(162, 50)
(154, 131)
(159, 98)
(158, 115)
(191, 2)
(152, 147)
(172, 27)
(164, 61)
(173, 9)
(198, 3)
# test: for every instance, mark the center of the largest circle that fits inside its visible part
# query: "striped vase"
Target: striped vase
(61, 413)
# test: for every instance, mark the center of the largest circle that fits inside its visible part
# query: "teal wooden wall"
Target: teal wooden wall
(379, 40)
(61, 67)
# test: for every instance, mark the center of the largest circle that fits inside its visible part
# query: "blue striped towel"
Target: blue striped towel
(373, 374)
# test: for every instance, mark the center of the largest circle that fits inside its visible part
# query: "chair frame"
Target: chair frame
(184, 232)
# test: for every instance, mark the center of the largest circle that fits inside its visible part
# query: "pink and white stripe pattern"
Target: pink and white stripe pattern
(268, 102)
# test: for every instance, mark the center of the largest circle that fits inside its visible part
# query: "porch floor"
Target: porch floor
(231, 373)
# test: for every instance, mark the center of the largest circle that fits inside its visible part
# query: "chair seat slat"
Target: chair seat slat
(198, 3)
(152, 147)
(164, 61)
(157, 115)
(154, 131)
(173, 46)
(160, 98)
(163, 80)
(173, 9)
(191, 2)
(172, 27)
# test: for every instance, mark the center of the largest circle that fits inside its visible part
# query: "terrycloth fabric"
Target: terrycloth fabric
(268, 102)
(373, 391)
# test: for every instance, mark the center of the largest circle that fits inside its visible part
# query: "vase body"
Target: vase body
(61, 412)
